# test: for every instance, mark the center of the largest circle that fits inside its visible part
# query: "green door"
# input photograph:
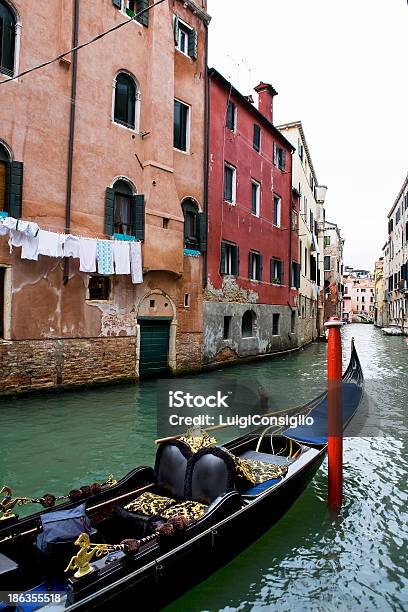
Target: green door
(154, 346)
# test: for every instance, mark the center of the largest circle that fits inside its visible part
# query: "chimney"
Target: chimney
(266, 95)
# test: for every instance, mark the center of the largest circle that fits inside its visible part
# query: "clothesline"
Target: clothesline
(108, 256)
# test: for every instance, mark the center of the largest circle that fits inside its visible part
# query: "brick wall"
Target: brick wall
(28, 365)
(189, 351)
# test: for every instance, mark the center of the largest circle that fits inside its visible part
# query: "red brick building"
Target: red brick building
(252, 271)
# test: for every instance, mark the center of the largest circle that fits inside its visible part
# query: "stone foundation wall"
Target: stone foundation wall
(27, 365)
(189, 351)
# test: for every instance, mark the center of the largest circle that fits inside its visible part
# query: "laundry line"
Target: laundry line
(107, 257)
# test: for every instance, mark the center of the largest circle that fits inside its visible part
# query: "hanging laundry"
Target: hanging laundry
(30, 247)
(71, 246)
(10, 223)
(104, 255)
(121, 256)
(15, 240)
(87, 255)
(27, 227)
(50, 243)
(3, 229)
(136, 262)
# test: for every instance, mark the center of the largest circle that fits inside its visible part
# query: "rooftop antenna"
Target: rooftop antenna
(238, 65)
(249, 75)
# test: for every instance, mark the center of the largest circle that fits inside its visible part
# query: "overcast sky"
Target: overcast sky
(341, 68)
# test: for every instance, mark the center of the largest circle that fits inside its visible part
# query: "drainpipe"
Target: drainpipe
(206, 150)
(71, 130)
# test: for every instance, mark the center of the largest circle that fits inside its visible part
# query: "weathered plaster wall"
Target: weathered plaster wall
(216, 349)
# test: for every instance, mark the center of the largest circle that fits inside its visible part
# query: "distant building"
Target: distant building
(396, 261)
(333, 270)
(311, 235)
(380, 304)
(358, 297)
(250, 303)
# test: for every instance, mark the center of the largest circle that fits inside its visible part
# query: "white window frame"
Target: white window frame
(258, 198)
(138, 97)
(17, 42)
(188, 131)
(279, 220)
(187, 30)
(234, 184)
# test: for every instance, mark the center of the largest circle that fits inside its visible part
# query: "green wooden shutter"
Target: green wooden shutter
(138, 217)
(223, 259)
(176, 29)
(117, 3)
(14, 188)
(283, 159)
(202, 231)
(193, 44)
(109, 211)
(140, 6)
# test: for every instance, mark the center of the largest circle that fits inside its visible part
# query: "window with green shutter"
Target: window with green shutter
(124, 212)
(7, 39)
(185, 38)
(14, 188)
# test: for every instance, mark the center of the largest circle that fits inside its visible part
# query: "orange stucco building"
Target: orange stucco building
(110, 139)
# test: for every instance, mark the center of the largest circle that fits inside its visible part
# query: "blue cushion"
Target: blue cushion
(264, 486)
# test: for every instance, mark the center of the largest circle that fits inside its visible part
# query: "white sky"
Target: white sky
(341, 68)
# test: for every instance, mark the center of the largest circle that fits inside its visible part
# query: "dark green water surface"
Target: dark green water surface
(307, 561)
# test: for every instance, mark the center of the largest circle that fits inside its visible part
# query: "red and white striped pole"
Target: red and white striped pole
(335, 417)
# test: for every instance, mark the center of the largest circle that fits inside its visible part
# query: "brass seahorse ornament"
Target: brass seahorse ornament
(81, 561)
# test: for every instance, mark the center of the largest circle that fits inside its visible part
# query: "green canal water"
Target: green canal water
(307, 561)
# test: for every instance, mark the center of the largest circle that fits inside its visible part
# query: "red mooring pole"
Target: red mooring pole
(335, 409)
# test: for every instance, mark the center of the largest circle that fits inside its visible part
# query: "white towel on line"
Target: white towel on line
(87, 254)
(30, 247)
(50, 243)
(121, 256)
(71, 246)
(136, 262)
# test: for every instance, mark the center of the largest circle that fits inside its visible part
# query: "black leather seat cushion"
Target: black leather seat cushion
(210, 474)
(170, 468)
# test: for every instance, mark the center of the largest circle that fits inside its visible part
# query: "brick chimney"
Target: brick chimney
(266, 95)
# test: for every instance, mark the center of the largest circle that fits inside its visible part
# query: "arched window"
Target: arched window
(248, 324)
(191, 230)
(7, 39)
(125, 100)
(124, 211)
(4, 162)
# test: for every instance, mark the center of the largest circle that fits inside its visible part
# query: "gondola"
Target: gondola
(158, 532)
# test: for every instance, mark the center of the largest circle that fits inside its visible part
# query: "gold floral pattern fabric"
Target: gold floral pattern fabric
(265, 471)
(150, 504)
(196, 443)
(189, 509)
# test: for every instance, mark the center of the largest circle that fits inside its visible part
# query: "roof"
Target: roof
(404, 184)
(299, 126)
(213, 73)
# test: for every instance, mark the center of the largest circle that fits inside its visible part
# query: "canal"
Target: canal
(52, 443)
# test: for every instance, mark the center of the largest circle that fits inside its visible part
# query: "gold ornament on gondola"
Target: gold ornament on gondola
(81, 561)
(9, 502)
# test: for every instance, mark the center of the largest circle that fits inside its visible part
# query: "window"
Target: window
(132, 7)
(295, 272)
(300, 149)
(125, 100)
(230, 183)
(313, 268)
(255, 198)
(293, 321)
(279, 157)
(190, 211)
(229, 259)
(231, 116)
(305, 207)
(276, 272)
(327, 263)
(181, 126)
(11, 184)
(185, 38)
(254, 266)
(227, 328)
(306, 254)
(124, 212)
(275, 324)
(277, 205)
(248, 323)
(311, 221)
(99, 288)
(186, 300)
(7, 39)
(257, 137)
